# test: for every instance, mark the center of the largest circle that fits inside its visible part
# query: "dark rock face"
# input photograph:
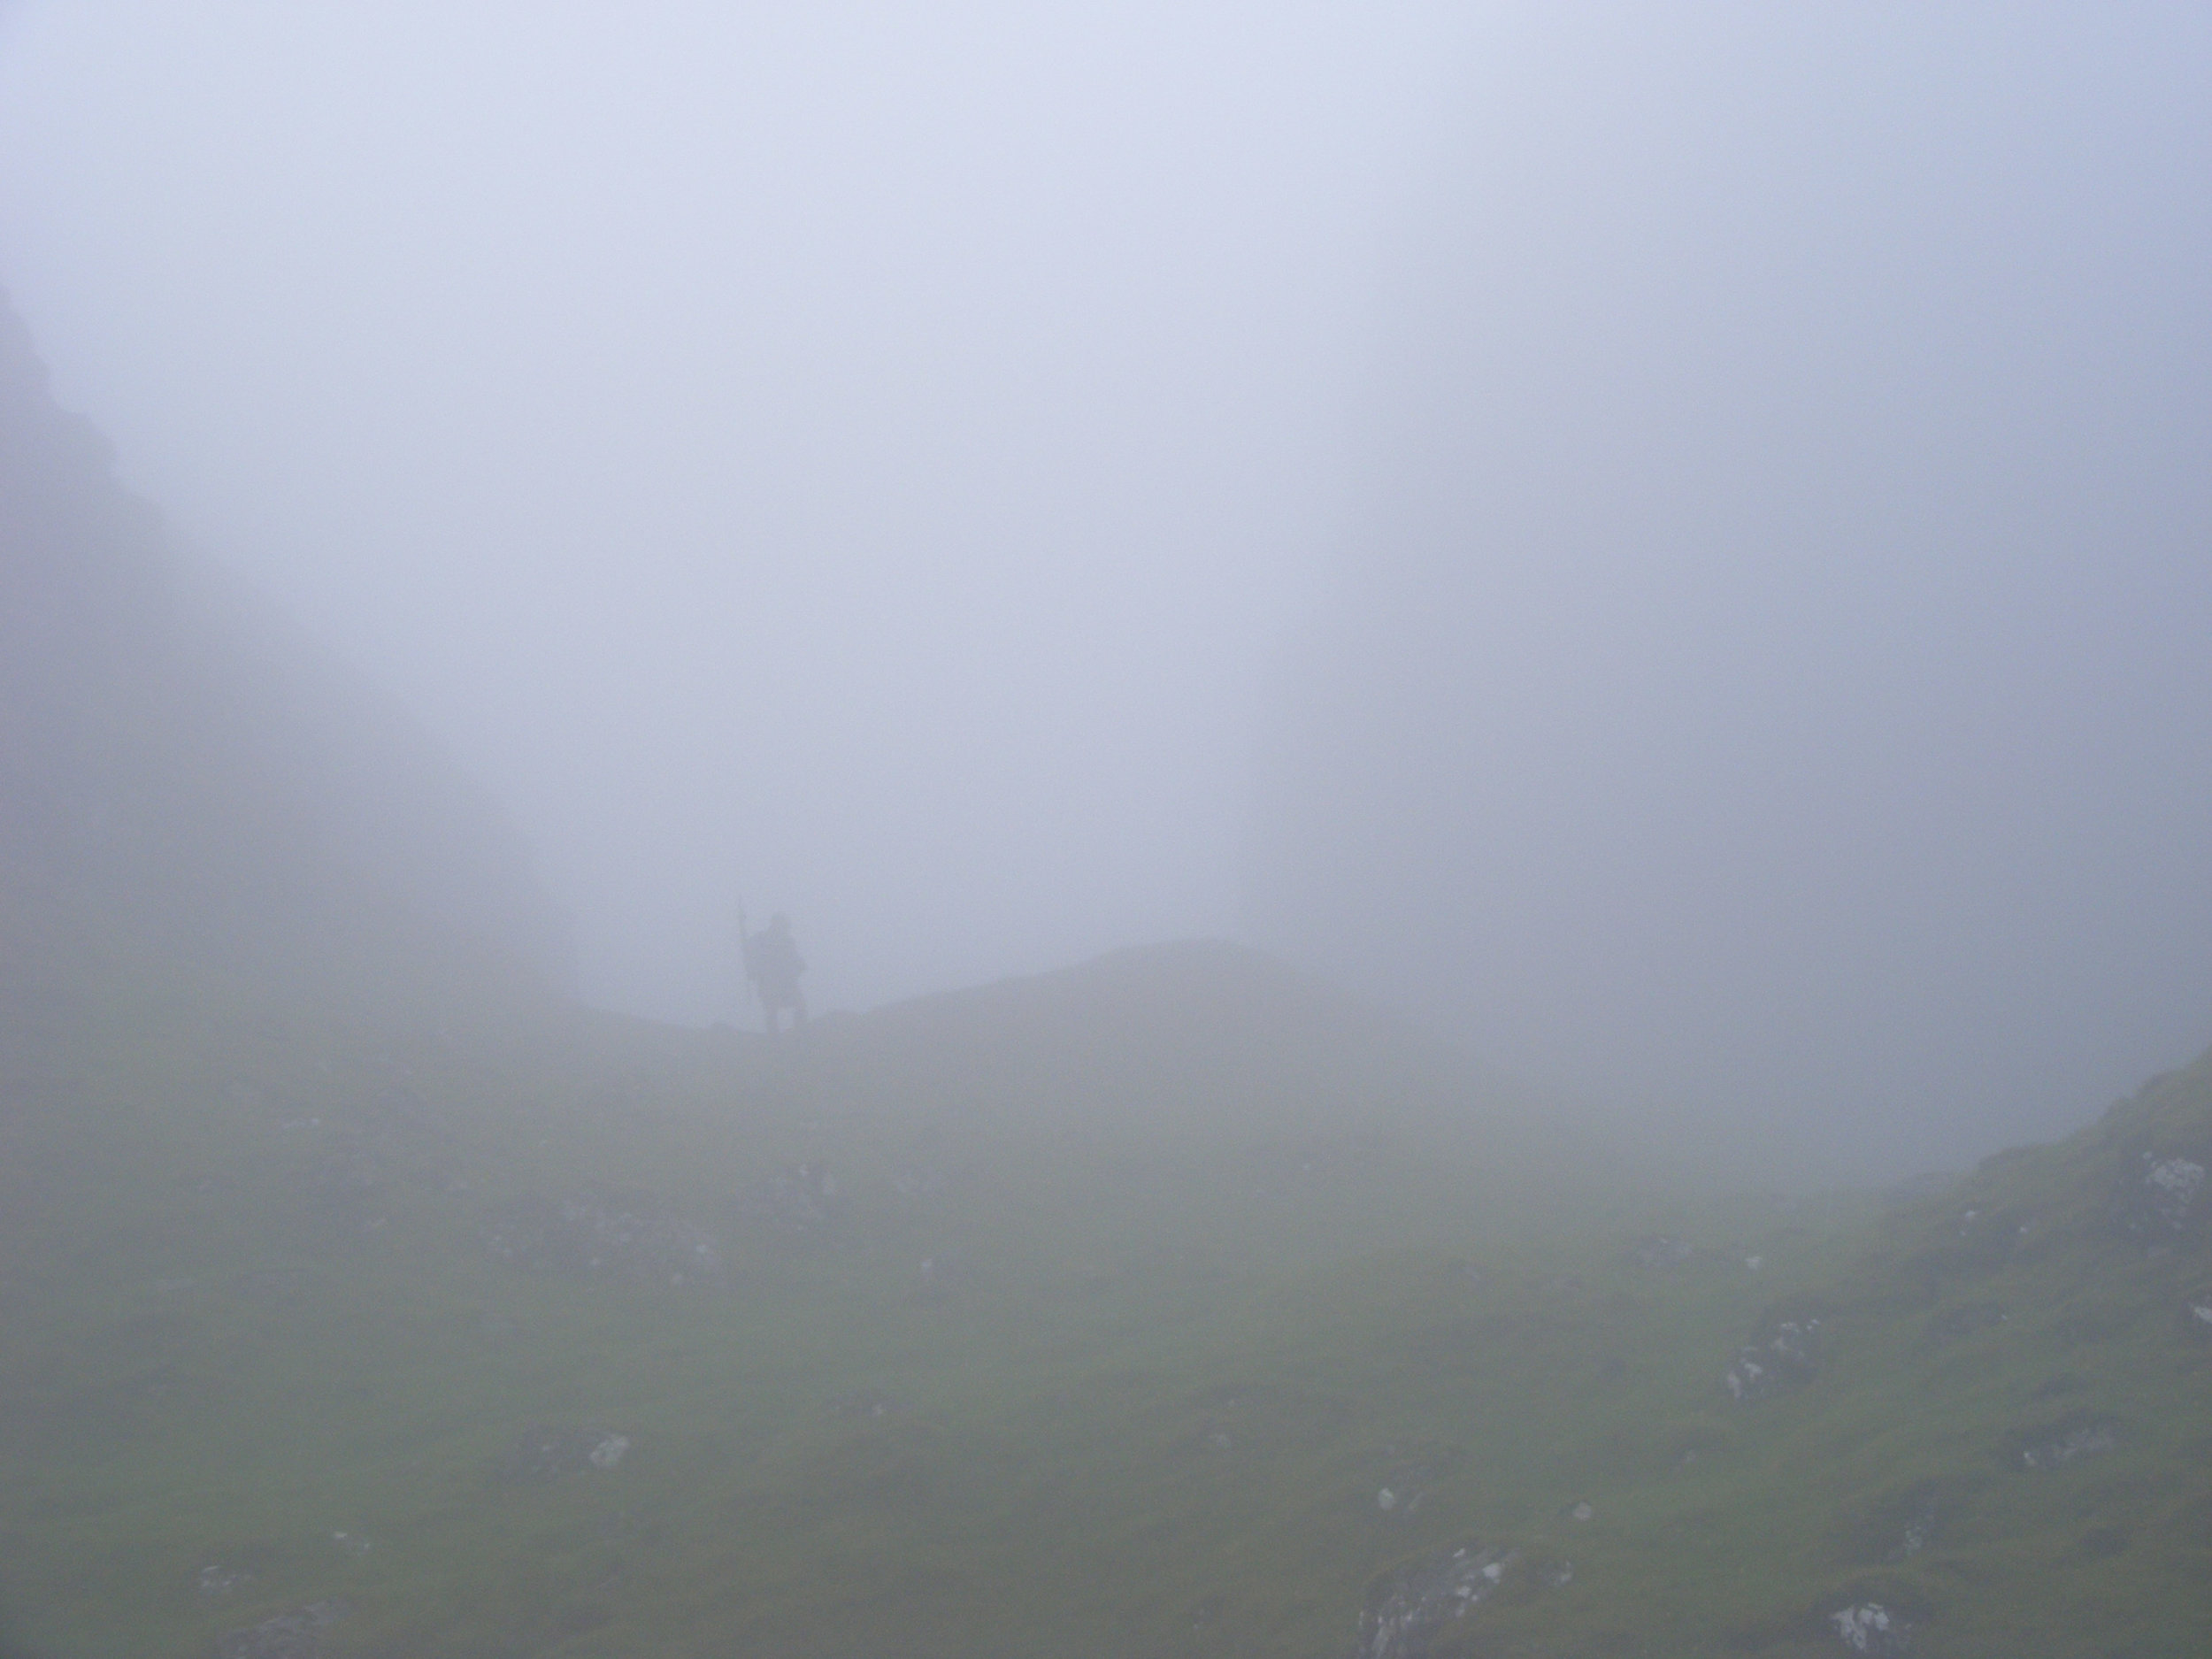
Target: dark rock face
(627, 1237)
(295, 1635)
(1781, 1357)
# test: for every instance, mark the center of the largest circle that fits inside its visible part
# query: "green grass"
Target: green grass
(1208, 1273)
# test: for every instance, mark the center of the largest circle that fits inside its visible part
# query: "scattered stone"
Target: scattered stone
(403, 1107)
(1955, 1323)
(916, 1183)
(1918, 1531)
(1409, 1611)
(1784, 1357)
(1871, 1628)
(2161, 1199)
(804, 1199)
(1661, 1252)
(1219, 1440)
(545, 1451)
(1583, 1512)
(216, 1582)
(2068, 1441)
(609, 1452)
(1754, 1263)
(352, 1543)
(294, 1635)
(2173, 1184)
(2201, 1317)
(1386, 1499)
(867, 1406)
(591, 1234)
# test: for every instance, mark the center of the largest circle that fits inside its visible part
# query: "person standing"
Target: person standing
(773, 965)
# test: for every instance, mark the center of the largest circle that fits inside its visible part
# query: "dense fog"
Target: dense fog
(1767, 674)
(1674, 547)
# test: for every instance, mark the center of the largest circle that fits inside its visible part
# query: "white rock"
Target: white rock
(608, 1452)
(2178, 1181)
(1386, 1499)
(1860, 1626)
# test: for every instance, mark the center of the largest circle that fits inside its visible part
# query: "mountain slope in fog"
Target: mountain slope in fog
(181, 775)
(1173, 1304)
(577, 1336)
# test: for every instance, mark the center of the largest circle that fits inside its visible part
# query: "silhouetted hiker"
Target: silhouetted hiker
(773, 965)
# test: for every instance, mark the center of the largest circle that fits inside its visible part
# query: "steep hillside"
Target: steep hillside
(574, 1336)
(182, 778)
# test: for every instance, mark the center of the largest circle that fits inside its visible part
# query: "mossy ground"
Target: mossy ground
(1145, 1399)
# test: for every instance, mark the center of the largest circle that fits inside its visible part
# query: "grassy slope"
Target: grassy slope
(1211, 1265)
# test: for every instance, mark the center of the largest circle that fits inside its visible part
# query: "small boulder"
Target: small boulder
(216, 1583)
(1409, 1611)
(546, 1451)
(297, 1634)
(2070, 1438)
(1870, 1628)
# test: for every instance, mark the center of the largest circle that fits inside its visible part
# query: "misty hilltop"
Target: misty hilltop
(1434, 688)
(185, 777)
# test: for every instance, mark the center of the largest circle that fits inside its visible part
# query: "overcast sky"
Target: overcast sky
(1673, 539)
